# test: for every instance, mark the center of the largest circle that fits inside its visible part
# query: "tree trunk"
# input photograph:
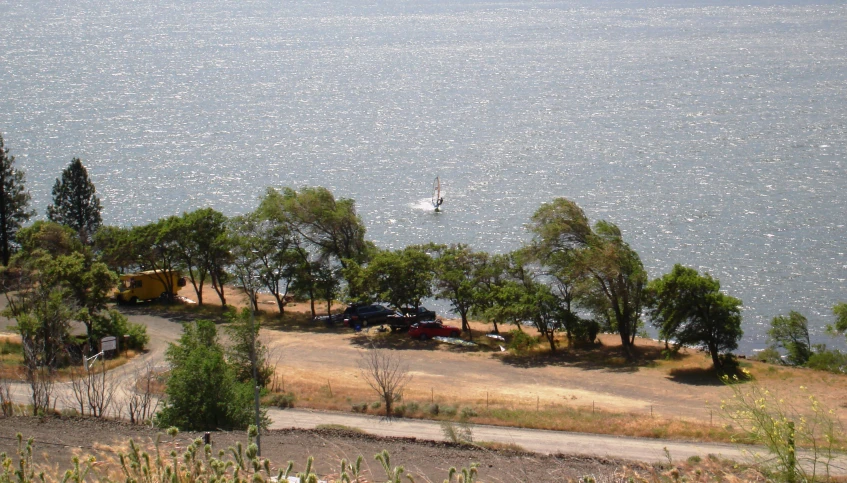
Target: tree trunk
(716, 357)
(219, 289)
(551, 338)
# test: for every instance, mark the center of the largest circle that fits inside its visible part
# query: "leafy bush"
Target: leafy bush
(769, 355)
(461, 433)
(433, 409)
(828, 360)
(520, 341)
(116, 324)
(282, 400)
(360, 407)
(467, 413)
(7, 348)
(448, 411)
(583, 331)
(399, 410)
(376, 405)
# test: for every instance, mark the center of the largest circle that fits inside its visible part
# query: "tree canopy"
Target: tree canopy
(14, 202)
(75, 203)
(203, 391)
(791, 333)
(611, 271)
(690, 309)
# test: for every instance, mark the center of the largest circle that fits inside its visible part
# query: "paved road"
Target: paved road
(538, 441)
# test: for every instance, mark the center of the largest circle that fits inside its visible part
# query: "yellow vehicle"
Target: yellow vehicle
(148, 285)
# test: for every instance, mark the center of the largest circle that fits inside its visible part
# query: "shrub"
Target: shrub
(283, 400)
(433, 409)
(202, 390)
(360, 407)
(412, 407)
(467, 413)
(448, 411)
(116, 324)
(461, 433)
(520, 341)
(828, 360)
(399, 411)
(376, 405)
(769, 355)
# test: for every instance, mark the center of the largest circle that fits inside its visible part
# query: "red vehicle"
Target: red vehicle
(428, 330)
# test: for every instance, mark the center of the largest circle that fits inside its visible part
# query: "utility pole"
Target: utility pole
(255, 377)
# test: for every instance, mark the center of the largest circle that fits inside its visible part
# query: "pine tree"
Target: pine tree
(74, 202)
(14, 201)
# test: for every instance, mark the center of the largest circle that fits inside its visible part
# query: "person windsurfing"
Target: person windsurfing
(437, 199)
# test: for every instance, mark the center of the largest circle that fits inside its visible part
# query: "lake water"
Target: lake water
(712, 133)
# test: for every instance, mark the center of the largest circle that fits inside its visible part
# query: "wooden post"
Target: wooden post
(330, 387)
(432, 395)
(651, 410)
(486, 399)
(792, 456)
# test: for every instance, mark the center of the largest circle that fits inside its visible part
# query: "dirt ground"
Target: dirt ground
(312, 359)
(58, 440)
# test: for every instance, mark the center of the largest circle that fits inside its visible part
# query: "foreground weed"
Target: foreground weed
(765, 418)
(25, 471)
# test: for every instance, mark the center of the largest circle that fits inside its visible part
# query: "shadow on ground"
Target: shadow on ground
(593, 357)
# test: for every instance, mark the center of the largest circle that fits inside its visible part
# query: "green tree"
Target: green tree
(490, 276)
(792, 334)
(457, 278)
(201, 247)
(113, 245)
(244, 346)
(44, 325)
(611, 270)
(90, 285)
(14, 202)
(528, 299)
(246, 263)
(401, 278)
(48, 237)
(331, 225)
(155, 248)
(51, 255)
(840, 312)
(690, 308)
(202, 391)
(75, 203)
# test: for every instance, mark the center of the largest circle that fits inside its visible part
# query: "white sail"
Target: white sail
(436, 193)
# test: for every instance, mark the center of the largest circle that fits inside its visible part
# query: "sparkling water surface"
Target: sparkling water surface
(712, 133)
